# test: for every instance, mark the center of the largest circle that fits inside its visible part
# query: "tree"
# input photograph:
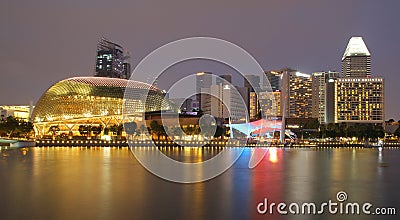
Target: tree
(397, 132)
(97, 129)
(175, 131)
(13, 127)
(156, 129)
(391, 121)
(219, 132)
(53, 130)
(130, 127)
(26, 128)
(142, 130)
(10, 125)
(84, 130)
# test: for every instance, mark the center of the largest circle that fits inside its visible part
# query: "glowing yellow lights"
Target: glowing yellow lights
(87, 100)
(273, 155)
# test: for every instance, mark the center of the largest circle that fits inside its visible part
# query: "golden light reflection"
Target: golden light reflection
(273, 155)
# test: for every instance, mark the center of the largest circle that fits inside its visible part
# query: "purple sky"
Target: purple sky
(45, 41)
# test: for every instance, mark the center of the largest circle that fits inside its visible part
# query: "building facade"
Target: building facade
(323, 96)
(224, 101)
(360, 100)
(296, 94)
(22, 112)
(356, 60)
(110, 60)
(223, 79)
(203, 81)
(95, 101)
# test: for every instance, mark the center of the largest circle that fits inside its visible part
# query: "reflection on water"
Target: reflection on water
(190, 154)
(108, 183)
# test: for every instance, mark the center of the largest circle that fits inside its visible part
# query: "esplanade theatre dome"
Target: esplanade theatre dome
(94, 101)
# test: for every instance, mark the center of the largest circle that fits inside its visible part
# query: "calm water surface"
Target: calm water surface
(109, 183)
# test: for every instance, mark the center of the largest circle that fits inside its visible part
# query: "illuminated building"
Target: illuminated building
(203, 81)
(223, 79)
(224, 101)
(110, 60)
(95, 101)
(253, 105)
(252, 83)
(297, 94)
(359, 100)
(275, 79)
(272, 105)
(22, 112)
(323, 96)
(356, 60)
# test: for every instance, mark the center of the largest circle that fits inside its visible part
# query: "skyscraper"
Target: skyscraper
(252, 83)
(360, 100)
(110, 60)
(356, 60)
(297, 94)
(203, 81)
(223, 101)
(323, 96)
(275, 80)
(223, 79)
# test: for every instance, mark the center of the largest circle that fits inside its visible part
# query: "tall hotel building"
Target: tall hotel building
(356, 60)
(359, 98)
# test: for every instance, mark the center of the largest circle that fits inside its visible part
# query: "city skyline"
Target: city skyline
(39, 49)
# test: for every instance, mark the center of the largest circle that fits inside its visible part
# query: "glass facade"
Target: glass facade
(97, 101)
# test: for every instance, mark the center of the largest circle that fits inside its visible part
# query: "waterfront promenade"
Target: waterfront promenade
(123, 143)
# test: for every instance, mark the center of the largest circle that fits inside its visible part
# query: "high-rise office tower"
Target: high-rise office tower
(275, 80)
(203, 81)
(223, 79)
(323, 96)
(252, 83)
(272, 107)
(356, 60)
(297, 94)
(223, 101)
(271, 104)
(110, 60)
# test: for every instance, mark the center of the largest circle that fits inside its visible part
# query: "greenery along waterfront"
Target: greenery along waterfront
(12, 127)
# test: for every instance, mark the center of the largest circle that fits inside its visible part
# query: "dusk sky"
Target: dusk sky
(45, 41)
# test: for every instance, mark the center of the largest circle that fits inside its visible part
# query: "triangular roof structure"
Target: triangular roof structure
(356, 47)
